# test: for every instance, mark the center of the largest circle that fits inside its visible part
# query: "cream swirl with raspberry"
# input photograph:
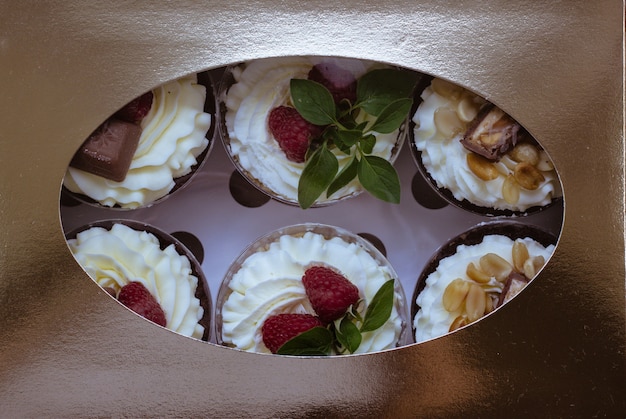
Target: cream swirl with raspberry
(115, 257)
(173, 136)
(440, 122)
(260, 86)
(269, 282)
(433, 319)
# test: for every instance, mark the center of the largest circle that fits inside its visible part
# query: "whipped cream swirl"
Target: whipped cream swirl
(115, 257)
(269, 282)
(173, 137)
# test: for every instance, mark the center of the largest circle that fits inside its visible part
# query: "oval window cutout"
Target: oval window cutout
(327, 144)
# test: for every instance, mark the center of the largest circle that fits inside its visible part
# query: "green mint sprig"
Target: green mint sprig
(344, 334)
(382, 104)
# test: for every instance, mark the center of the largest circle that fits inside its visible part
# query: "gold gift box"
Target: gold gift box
(67, 350)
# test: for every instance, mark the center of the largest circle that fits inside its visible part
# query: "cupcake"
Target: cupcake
(279, 287)
(147, 149)
(289, 137)
(147, 270)
(475, 273)
(477, 156)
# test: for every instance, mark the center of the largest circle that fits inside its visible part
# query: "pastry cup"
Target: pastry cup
(202, 292)
(284, 174)
(512, 230)
(463, 176)
(279, 259)
(205, 79)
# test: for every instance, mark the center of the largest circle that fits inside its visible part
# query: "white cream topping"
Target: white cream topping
(173, 136)
(260, 86)
(433, 320)
(115, 257)
(269, 282)
(445, 158)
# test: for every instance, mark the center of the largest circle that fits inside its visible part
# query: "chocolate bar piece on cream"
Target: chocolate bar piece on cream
(492, 133)
(109, 150)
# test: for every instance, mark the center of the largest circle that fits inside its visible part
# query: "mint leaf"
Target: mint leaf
(379, 310)
(344, 177)
(315, 341)
(313, 101)
(378, 88)
(319, 171)
(392, 116)
(367, 143)
(346, 139)
(348, 335)
(379, 178)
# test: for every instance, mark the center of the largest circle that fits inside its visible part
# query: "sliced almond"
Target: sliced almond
(510, 190)
(544, 164)
(459, 322)
(520, 255)
(455, 294)
(495, 266)
(475, 302)
(532, 266)
(481, 167)
(446, 89)
(467, 109)
(476, 274)
(525, 152)
(528, 176)
(489, 303)
(447, 122)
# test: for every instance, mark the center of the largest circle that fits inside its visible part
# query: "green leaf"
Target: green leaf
(379, 178)
(319, 171)
(379, 309)
(348, 335)
(367, 143)
(378, 88)
(313, 101)
(392, 116)
(344, 177)
(348, 138)
(315, 341)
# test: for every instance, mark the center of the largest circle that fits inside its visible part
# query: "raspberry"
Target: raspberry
(136, 297)
(135, 110)
(292, 132)
(278, 329)
(340, 82)
(330, 293)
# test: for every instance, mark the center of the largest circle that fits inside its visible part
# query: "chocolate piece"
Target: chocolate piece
(515, 282)
(492, 133)
(109, 150)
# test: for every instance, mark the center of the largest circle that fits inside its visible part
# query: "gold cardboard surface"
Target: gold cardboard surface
(66, 350)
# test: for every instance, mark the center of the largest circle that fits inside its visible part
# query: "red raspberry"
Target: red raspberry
(340, 82)
(278, 329)
(136, 297)
(330, 293)
(292, 132)
(136, 110)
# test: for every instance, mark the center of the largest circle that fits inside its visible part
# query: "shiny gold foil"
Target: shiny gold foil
(557, 350)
